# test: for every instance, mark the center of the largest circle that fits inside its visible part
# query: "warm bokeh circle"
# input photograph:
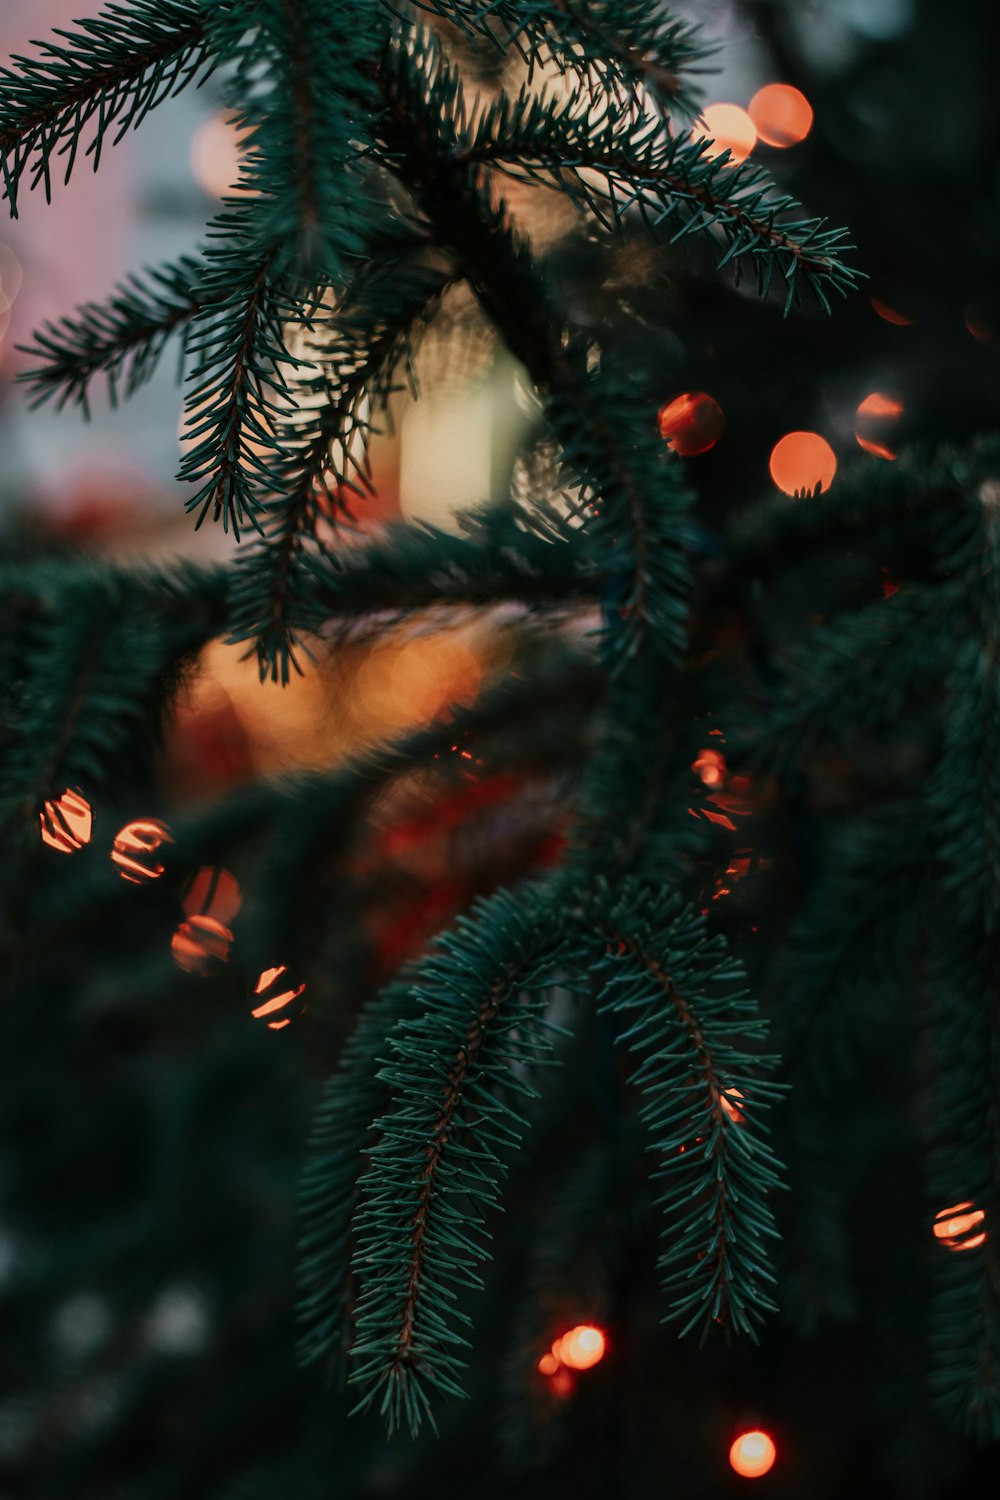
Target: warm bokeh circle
(801, 461)
(781, 114)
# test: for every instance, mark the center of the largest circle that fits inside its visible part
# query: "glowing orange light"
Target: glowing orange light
(890, 314)
(201, 945)
(874, 417)
(212, 892)
(561, 1383)
(753, 1454)
(728, 1101)
(276, 997)
(957, 1227)
(135, 848)
(691, 423)
(782, 116)
(67, 822)
(581, 1348)
(549, 1364)
(711, 767)
(728, 128)
(415, 682)
(801, 461)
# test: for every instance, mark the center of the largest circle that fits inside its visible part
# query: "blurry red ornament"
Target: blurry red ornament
(67, 822)
(201, 945)
(692, 423)
(753, 1454)
(890, 314)
(134, 850)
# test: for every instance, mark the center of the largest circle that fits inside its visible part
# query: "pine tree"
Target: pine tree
(580, 1042)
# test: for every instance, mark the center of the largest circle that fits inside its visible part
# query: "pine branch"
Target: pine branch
(622, 42)
(112, 71)
(414, 569)
(240, 359)
(122, 338)
(635, 501)
(343, 1128)
(300, 89)
(640, 167)
(690, 1020)
(458, 1076)
(326, 453)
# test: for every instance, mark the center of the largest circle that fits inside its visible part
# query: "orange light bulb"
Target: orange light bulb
(212, 892)
(802, 460)
(201, 945)
(581, 1348)
(753, 1454)
(710, 765)
(277, 993)
(134, 850)
(67, 822)
(958, 1227)
(728, 1101)
(874, 420)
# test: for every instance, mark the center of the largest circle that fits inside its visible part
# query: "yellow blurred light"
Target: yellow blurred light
(727, 127)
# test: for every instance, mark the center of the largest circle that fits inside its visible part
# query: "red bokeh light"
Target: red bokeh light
(201, 945)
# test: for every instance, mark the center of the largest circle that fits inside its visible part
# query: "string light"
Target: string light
(874, 419)
(134, 850)
(201, 945)
(276, 996)
(581, 1348)
(710, 765)
(728, 1101)
(802, 460)
(890, 314)
(782, 115)
(67, 822)
(753, 1454)
(212, 892)
(957, 1227)
(692, 423)
(727, 128)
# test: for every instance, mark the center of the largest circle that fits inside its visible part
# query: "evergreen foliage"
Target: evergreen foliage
(372, 186)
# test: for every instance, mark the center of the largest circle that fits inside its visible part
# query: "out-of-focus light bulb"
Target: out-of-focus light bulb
(753, 1454)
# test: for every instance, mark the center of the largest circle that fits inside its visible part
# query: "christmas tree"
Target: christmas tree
(639, 873)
